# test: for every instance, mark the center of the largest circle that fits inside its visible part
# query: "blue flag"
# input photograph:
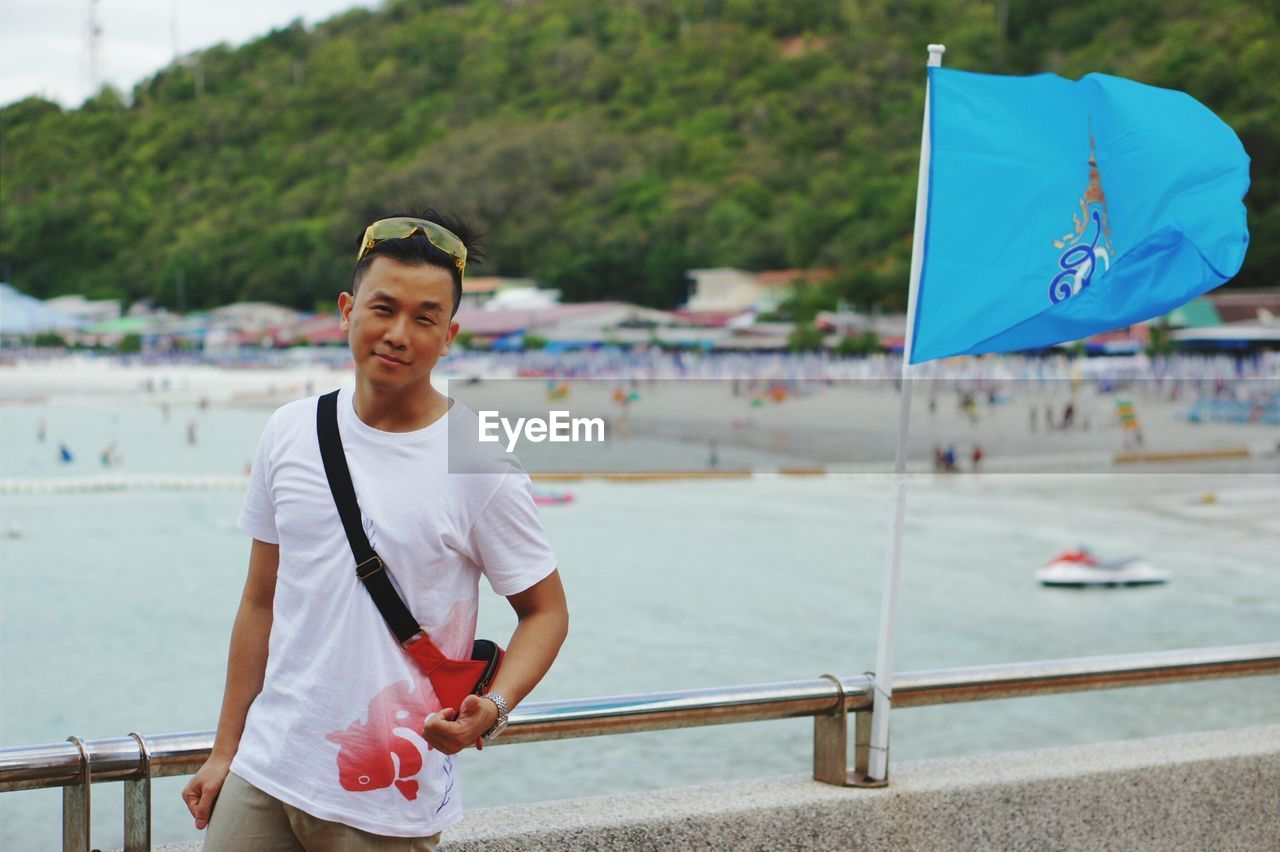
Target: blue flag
(1061, 209)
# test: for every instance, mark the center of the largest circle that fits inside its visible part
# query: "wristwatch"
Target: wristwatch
(504, 711)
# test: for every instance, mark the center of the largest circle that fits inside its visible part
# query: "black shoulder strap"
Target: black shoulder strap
(369, 567)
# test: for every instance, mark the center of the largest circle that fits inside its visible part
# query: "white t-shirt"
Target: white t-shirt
(335, 731)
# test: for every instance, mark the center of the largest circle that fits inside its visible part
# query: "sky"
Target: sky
(44, 44)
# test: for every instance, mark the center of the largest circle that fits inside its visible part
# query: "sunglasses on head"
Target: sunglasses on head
(401, 227)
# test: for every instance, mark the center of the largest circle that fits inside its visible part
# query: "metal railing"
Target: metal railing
(77, 765)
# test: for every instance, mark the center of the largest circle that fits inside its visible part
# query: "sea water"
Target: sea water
(116, 607)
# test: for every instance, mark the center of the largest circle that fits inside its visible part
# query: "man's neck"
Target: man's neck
(403, 410)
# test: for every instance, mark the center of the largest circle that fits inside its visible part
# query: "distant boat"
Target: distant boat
(1080, 568)
(552, 498)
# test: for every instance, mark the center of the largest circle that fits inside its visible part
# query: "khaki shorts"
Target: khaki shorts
(245, 818)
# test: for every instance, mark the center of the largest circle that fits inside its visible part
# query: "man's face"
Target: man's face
(398, 324)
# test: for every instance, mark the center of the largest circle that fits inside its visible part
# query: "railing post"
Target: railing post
(862, 753)
(137, 803)
(77, 800)
(831, 740)
(831, 744)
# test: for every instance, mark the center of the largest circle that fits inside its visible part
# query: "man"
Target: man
(329, 737)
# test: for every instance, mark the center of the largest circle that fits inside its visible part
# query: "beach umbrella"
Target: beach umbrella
(513, 342)
(23, 314)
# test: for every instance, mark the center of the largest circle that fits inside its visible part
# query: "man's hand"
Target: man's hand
(203, 788)
(450, 731)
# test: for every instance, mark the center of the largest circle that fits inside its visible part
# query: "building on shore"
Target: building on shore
(89, 311)
(1245, 305)
(732, 291)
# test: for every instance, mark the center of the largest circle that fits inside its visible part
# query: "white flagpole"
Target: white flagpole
(878, 769)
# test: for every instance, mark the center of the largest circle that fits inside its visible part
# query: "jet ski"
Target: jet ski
(1080, 568)
(552, 498)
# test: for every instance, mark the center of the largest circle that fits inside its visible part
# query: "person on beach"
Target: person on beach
(330, 737)
(109, 457)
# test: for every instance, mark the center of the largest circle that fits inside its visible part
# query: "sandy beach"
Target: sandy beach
(705, 425)
(85, 378)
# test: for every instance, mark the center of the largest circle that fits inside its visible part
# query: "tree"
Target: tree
(805, 337)
(608, 147)
(857, 345)
(1159, 343)
(49, 339)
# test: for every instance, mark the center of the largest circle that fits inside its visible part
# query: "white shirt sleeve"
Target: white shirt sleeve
(508, 540)
(258, 517)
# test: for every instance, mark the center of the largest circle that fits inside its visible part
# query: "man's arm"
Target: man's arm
(246, 667)
(544, 622)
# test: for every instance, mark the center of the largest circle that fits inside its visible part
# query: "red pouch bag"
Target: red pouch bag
(454, 680)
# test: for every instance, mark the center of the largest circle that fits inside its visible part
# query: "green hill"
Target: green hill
(607, 147)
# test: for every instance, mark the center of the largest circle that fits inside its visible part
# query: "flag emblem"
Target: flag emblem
(1080, 259)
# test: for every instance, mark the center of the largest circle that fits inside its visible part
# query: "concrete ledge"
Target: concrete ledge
(1206, 791)
(1215, 790)
(1188, 455)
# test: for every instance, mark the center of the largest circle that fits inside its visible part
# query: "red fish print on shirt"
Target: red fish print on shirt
(387, 748)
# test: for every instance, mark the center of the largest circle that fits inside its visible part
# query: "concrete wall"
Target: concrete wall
(1218, 790)
(1215, 790)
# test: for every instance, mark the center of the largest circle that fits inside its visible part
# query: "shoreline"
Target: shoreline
(688, 427)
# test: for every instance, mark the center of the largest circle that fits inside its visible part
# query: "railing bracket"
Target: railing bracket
(77, 804)
(831, 740)
(137, 802)
(858, 776)
(859, 779)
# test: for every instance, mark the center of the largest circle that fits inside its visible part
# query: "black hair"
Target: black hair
(417, 250)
